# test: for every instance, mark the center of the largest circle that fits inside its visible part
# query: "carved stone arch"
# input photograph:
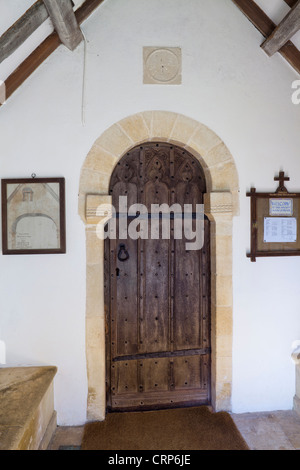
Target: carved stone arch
(221, 204)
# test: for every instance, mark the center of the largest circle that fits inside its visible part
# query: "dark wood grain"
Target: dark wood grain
(33, 61)
(86, 9)
(291, 3)
(158, 302)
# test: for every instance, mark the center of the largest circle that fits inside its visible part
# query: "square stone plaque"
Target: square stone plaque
(162, 65)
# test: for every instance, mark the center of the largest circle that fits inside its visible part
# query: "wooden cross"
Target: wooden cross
(281, 178)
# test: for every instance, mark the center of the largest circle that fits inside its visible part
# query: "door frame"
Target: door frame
(221, 204)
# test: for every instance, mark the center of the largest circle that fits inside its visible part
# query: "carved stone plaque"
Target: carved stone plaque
(162, 65)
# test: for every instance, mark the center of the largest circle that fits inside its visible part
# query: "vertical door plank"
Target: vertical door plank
(126, 373)
(126, 296)
(186, 298)
(155, 325)
(156, 373)
(187, 372)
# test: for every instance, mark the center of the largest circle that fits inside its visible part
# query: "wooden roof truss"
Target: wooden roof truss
(277, 37)
(67, 31)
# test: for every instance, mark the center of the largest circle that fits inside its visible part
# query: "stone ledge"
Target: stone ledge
(26, 406)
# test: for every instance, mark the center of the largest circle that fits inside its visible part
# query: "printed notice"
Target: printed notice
(281, 207)
(280, 230)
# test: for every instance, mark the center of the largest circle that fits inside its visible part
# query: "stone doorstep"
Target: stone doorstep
(27, 416)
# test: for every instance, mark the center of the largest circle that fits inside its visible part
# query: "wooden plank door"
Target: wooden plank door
(157, 292)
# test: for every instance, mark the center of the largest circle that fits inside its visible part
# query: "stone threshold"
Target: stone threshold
(27, 416)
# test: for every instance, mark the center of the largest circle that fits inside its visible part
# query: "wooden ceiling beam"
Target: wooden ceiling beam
(283, 32)
(256, 15)
(46, 48)
(86, 9)
(17, 34)
(34, 17)
(64, 21)
(266, 27)
(291, 3)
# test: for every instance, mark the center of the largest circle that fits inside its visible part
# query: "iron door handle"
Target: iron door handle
(123, 254)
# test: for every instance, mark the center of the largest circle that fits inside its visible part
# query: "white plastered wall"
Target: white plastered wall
(229, 85)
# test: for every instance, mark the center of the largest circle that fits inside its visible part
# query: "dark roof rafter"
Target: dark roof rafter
(291, 3)
(71, 35)
(266, 27)
(64, 22)
(44, 50)
(284, 31)
(62, 16)
(22, 29)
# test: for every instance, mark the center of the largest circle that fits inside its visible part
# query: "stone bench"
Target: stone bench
(27, 416)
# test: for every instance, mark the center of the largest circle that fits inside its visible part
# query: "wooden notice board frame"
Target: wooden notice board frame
(275, 222)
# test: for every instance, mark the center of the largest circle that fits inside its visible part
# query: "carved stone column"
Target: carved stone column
(219, 208)
(98, 212)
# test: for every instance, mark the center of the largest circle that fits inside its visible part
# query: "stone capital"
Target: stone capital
(296, 353)
(98, 209)
(218, 203)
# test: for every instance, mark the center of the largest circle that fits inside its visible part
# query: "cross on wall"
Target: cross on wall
(281, 178)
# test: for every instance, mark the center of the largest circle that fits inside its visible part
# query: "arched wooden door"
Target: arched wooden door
(157, 292)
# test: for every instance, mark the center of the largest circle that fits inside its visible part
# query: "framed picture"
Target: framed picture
(275, 222)
(33, 216)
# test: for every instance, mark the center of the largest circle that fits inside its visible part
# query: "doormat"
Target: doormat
(178, 429)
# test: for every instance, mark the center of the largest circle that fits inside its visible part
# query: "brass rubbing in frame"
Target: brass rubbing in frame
(33, 216)
(280, 208)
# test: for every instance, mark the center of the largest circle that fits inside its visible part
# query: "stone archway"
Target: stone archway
(221, 204)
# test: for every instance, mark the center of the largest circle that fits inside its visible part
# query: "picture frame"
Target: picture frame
(33, 216)
(275, 222)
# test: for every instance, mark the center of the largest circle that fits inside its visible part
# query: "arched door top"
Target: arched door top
(158, 172)
(213, 155)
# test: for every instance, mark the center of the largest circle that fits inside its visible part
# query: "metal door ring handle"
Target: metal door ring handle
(123, 254)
